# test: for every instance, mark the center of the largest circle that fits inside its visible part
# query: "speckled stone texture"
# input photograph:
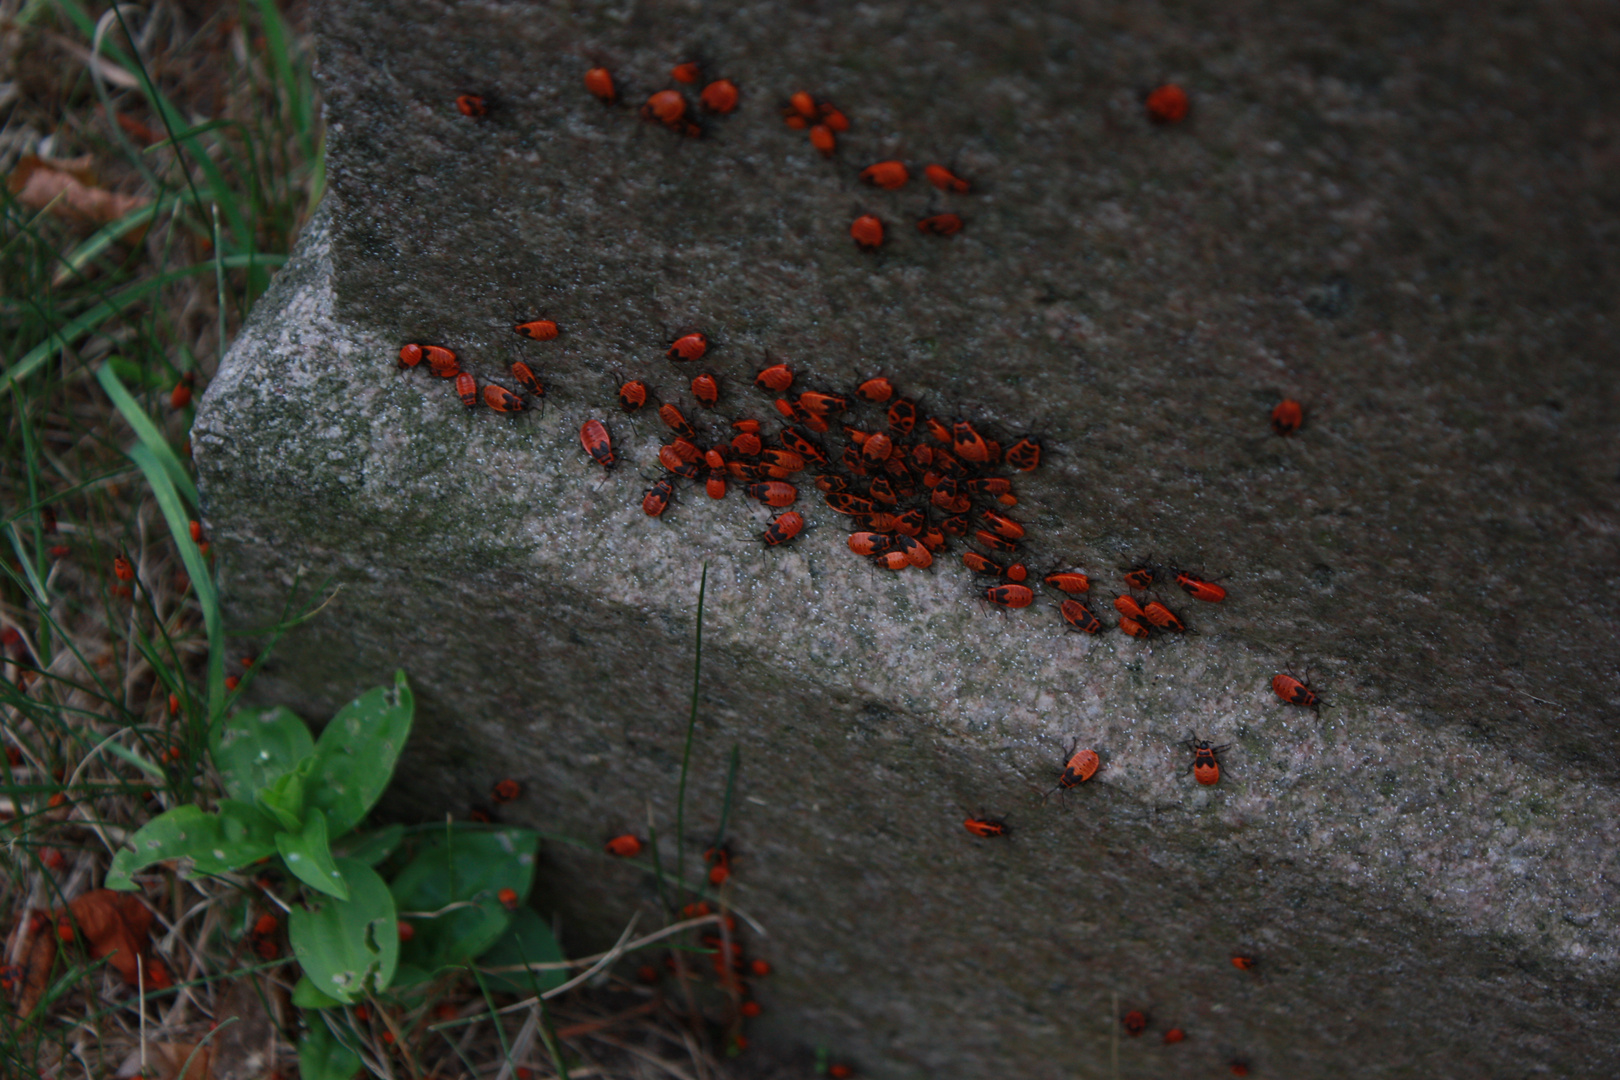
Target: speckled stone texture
(1405, 215)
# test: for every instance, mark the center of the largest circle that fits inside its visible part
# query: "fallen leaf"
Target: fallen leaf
(115, 925)
(242, 1050)
(165, 1060)
(68, 188)
(36, 971)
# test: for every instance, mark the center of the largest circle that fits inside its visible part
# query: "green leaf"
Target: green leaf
(213, 843)
(305, 996)
(309, 857)
(322, 1057)
(356, 753)
(527, 941)
(285, 798)
(373, 847)
(254, 749)
(348, 946)
(465, 866)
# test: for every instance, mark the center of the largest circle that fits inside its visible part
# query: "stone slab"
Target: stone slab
(1403, 215)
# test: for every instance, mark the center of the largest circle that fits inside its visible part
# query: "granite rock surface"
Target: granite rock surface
(1406, 216)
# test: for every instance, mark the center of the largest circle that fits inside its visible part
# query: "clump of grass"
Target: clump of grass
(114, 657)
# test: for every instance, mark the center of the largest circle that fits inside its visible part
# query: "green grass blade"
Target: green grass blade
(115, 304)
(691, 728)
(174, 512)
(148, 433)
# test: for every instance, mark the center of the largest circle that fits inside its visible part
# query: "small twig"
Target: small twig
(639, 943)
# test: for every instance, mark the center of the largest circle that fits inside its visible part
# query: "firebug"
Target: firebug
(988, 485)
(599, 81)
(914, 551)
(720, 96)
(1080, 617)
(1025, 454)
(656, 500)
(1018, 572)
(911, 522)
(761, 968)
(955, 525)
(686, 73)
(667, 107)
(892, 560)
(1239, 1068)
(508, 899)
(801, 443)
(888, 175)
(715, 485)
(840, 1071)
(1003, 526)
(1128, 607)
(784, 528)
(1199, 589)
(471, 105)
(883, 491)
(903, 416)
(677, 422)
(1206, 767)
(772, 493)
(1010, 596)
(776, 378)
(467, 390)
(410, 355)
(1174, 1035)
(1135, 1022)
(1132, 627)
(938, 430)
(802, 105)
(781, 459)
(625, 846)
(671, 458)
(877, 390)
(1167, 104)
(593, 436)
(747, 427)
(1141, 578)
(876, 450)
(1294, 692)
(1287, 417)
(941, 224)
(870, 543)
(821, 404)
(506, 791)
(688, 347)
(968, 444)
(982, 564)
(986, 827)
(992, 541)
(501, 399)
(1080, 767)
(945, 180)
(525, 377)
(706, 388)
(122, 569)
(1162, 617)
(867, 231)
(1244, 963)
(749, 445)
(843, 502)
(633, 395)
(1069, 582)
(822, 138)
(932, 539)
(536, 329)
(441, 361)
(833, 117)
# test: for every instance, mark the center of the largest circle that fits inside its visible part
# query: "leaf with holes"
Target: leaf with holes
(348, 947)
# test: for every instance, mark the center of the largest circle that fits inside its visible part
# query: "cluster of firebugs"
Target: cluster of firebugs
(906, 481)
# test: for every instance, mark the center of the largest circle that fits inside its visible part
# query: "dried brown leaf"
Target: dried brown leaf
(36, 971)
(115, 925)
(39, 182)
